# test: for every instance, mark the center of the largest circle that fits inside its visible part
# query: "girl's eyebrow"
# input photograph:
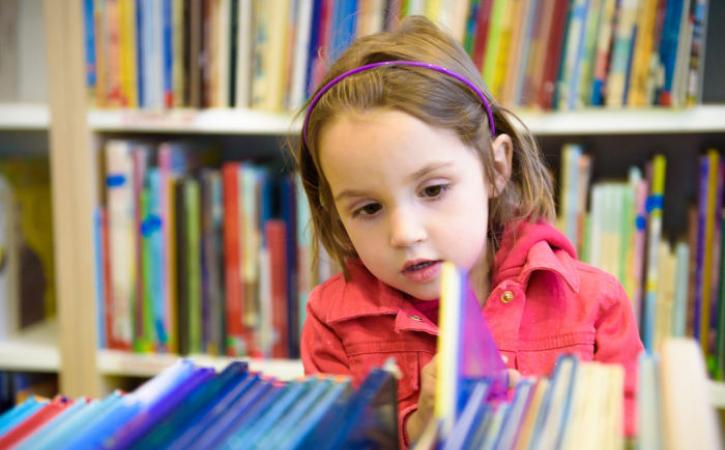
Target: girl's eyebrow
(425, 170)
(349, 193)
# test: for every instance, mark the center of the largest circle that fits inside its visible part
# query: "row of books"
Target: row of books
(550, 54)
(199, 255)
(193, 407)
(27, 293)
(581, 405)
(676, 289)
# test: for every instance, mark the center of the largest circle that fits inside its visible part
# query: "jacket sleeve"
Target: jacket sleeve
(618, 341)
(321, 349)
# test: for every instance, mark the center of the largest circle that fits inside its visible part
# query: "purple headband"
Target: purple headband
(440, 69)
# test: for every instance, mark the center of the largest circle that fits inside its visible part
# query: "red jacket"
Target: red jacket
(544, 303)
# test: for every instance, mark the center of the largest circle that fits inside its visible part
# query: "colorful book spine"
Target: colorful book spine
(655, 206)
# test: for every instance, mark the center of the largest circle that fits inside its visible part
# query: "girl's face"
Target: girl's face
(410, 196)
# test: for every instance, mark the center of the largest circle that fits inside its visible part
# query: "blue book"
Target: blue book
(198, 404)
(333, 400)
(291, 393)
(133, 431)
(256, 400)
(463, 431)
(35, 440)
(90, 44)
(271, 437)
(79, 423)
(668, 47)
(140, 58)
(19, 413)
(188, 437)
(103, 426)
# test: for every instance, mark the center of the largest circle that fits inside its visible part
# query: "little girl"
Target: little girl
(407, 161)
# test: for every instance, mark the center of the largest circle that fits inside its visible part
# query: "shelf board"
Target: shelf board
(33, 349)
(188, 121)
(24, 116)
(717, 394)
(114, 362)
(703, 118)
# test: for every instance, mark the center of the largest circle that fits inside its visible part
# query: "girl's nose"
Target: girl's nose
(406, 228)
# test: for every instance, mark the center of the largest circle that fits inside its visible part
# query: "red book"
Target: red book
(552, 59)
(35, 422)
(275, 233)
(483, 18)
(232, 257)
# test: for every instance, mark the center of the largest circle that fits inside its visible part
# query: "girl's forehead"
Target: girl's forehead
(387, 145)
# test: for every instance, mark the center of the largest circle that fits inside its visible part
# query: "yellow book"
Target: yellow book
(500, 70)
(712, 178)
(127, 36)
(645, 24)
(493, 44)
(517, 35)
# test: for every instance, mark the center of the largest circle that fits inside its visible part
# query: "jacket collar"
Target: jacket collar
(525, 248)
(529, 247)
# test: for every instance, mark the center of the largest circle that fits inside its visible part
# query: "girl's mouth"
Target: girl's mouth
(422, 270)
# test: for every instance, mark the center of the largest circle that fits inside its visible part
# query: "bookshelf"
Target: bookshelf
(69, 345)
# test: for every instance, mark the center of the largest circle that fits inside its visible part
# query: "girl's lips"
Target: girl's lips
(423, 274)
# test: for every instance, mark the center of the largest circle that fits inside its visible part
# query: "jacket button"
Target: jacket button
(507, 296)
(415, 317)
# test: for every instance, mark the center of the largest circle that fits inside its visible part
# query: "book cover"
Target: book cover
(9, 261)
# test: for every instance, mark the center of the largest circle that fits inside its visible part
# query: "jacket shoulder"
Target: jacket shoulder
(598, 283)
(326, 295)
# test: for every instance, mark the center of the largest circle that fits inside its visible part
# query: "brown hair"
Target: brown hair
(434, 98)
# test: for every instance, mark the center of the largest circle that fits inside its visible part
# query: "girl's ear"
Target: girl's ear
(503, 149)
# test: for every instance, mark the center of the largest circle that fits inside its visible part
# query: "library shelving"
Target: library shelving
(69, 345)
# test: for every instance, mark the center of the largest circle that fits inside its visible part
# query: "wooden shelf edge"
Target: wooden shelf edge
(120, 363)
(698, 119)
(189, 121)
(33, 349)
(24, 116)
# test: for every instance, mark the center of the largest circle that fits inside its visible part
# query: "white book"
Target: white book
(688, 418)
(122, 248)
(9, 273)
(301, 52)
(245, 37)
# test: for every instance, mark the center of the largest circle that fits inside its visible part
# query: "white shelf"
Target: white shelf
(34, 349)
(24, 116)
(704, 118)
(207, 121)
(717, 394)
(113, 362)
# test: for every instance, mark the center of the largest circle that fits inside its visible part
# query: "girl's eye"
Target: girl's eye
(435, 190)
(368, 210)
